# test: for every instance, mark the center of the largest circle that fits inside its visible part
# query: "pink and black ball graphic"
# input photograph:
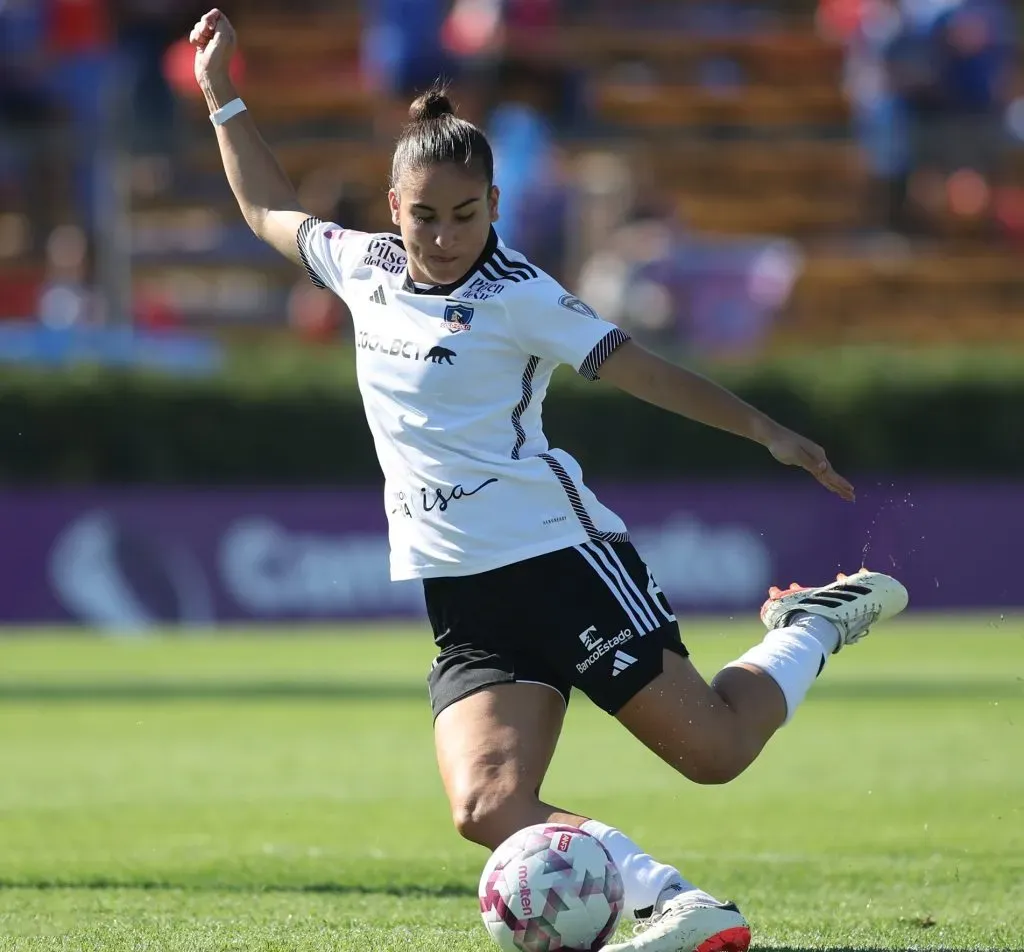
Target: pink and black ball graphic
(551, 888)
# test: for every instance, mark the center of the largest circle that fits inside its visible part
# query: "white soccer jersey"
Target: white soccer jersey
(452, 380)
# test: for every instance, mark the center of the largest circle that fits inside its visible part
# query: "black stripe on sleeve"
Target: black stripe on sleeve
(606, 346)
(522, 268)
(500, 274)
(302, 235)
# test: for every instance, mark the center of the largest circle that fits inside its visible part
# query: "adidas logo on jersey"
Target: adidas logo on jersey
(621, 662)
(378, 296)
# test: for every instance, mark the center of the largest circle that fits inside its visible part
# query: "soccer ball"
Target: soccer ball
(549, 888)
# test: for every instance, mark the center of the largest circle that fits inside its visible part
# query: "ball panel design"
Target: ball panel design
(551, 888)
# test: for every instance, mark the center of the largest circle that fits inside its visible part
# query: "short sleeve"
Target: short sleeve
(329, 253)
(550, 323)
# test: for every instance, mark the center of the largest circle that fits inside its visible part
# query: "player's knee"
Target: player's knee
(480, 814)
(713, 768)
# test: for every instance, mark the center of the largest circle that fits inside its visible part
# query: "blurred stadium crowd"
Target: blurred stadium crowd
(719, 176)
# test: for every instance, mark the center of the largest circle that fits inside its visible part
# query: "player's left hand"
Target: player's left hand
(213, 37)
(793, 450)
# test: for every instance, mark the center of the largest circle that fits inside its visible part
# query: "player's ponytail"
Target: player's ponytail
(436, 135)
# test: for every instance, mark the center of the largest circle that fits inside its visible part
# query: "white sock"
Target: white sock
(647, 883)
(689, 892)
(794, 656)
(820, 628)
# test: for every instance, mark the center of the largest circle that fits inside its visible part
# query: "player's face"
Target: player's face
(445, 214)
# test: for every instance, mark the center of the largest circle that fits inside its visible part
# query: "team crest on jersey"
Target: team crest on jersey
(458, 317)
(573, 303)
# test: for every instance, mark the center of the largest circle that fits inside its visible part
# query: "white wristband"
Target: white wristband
(227, 111)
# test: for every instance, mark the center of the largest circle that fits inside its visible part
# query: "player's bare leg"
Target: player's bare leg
(709, 733)
(712, 732)
(493, 749)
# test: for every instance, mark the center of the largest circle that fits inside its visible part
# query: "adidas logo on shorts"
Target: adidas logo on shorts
(603, 646)
(621, 662)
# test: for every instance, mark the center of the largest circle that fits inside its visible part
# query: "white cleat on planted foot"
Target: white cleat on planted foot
(686, 926)
(853, 603)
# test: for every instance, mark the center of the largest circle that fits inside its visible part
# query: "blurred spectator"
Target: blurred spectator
(67, 299)
(679, 292)
(952, 65)
(145, 30)
(533, 14)
(57, 68)
(492, 42)
(81, 78)
(402, 49)
(471, 37)
(868, 29)
(473, 29)
(30, 130)
(526, 167)
(962, 138)
(929, 82)
(696, 17)
(402, 55)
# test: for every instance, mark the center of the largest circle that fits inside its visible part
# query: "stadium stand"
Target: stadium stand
(763, 147)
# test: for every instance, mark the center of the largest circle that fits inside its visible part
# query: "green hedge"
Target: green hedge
(874, 412)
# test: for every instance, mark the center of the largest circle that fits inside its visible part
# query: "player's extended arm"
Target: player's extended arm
(648, 377)
(265, 195)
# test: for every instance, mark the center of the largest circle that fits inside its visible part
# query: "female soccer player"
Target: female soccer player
(532, 587)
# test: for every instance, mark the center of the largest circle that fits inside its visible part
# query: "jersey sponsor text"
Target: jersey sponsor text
(385, 255)
(389, 346)
(480, 289)
(603, 648)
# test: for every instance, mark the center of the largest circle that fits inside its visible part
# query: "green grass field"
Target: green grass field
(267, 791)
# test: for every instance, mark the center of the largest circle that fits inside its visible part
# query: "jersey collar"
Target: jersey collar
(444, 290)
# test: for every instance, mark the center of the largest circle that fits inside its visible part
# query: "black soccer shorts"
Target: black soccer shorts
(589, 617)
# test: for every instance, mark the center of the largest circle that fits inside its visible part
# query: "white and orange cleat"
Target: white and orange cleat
(688, 926)
(853, 603)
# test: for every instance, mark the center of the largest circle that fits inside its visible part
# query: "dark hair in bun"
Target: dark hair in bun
(433, 104)
(435, 135)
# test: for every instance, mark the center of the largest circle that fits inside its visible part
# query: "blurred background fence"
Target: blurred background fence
(822, 204)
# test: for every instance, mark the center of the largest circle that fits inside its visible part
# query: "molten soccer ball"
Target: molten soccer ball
(550, 888)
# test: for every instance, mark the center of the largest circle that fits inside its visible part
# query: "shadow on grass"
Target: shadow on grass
(142, 690)
(405, 890)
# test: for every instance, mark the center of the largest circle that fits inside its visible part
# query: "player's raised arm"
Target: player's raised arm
(650, 378)
(265, 195)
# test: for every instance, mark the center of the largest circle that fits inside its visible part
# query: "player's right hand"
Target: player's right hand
(794, 450)
(213, 36)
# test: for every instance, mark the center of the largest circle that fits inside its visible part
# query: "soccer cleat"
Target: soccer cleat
(853, 603)
(685, 926)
